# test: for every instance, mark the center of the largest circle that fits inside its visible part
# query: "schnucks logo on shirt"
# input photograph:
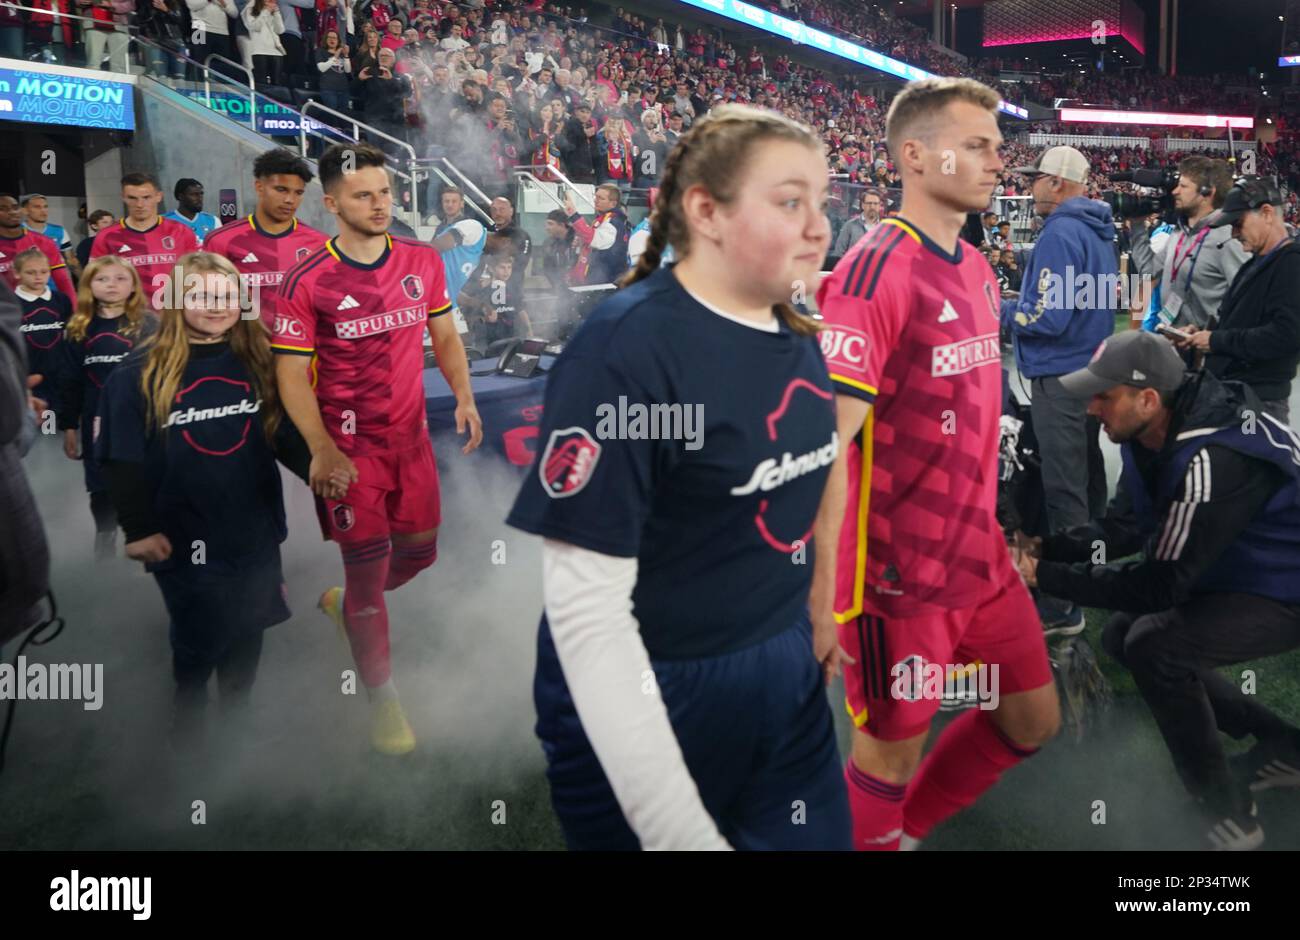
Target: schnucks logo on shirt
(381, 322)
(202, 411)
(961, 357)
(567, 462)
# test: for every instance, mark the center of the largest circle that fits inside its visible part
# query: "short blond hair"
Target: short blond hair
(913, 112)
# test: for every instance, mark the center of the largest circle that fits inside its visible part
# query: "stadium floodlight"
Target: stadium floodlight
(1100, 116)
(797, 32)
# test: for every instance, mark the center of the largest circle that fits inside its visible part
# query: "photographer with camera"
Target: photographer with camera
(1200, 261)
(1214, 508)
(1257, 338)
(1066, 309)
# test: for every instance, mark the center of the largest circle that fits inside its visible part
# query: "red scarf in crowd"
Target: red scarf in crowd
(616, 162)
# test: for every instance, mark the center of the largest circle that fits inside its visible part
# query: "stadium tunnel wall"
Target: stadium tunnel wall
(176, 137)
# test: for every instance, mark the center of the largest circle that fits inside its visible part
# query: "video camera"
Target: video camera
(1129, 205)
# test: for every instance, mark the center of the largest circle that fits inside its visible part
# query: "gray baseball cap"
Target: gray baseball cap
(1134, 357)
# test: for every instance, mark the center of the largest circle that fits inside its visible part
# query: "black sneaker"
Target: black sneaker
(1058, 619)
(1273, 763)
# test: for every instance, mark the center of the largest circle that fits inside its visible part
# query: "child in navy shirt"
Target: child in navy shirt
(186, 428)
(46, 314)
(110, 319)
(688, 432)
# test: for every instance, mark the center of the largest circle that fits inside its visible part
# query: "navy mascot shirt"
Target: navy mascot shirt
(212, 473)
(697, 445)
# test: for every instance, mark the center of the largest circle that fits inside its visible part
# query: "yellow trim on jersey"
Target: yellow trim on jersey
(441, 310)
(905, 227)
(864, 505)
(301, 349)
(860, 718)
(329, 246)
(836, 377)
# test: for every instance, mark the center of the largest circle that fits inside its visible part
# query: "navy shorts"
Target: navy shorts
(754, 727)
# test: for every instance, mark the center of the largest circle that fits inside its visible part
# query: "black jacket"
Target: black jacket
(1194, 527)
(1257, 340)
(24, 553)
(578, 151)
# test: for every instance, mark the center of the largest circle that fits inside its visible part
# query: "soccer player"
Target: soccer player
(15, 239)
(354, 314)
(186, 431)
(271, 240)
(145, 239)
(36, 218)
(189, 209)
(679, 702)
(923, 575)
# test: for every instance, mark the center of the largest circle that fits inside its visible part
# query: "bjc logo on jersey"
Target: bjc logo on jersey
(286, 327)
(845, 345)
(412, 286)
(567, 462)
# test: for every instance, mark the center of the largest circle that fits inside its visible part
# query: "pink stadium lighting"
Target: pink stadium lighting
(1134, 40)
(1098, 116)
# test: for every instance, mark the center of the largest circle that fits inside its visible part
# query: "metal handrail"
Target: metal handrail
(357, 126)
(568, 182)
(468, 183)
(252, 84)
(429, 164)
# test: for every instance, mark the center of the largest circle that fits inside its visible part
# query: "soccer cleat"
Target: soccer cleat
(389, 731)
(1273, 763)
(331, 604)
(1236, 833)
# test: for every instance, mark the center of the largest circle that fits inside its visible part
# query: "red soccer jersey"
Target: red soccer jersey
(11, 248)
(914, 331)
(152, 253)
(365, 325)
(262, 258)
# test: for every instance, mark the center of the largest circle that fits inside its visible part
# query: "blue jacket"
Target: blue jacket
(1070, 293)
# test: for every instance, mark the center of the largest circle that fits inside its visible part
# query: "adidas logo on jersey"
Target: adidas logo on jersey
(348, 302)
(124, 249)
(949, 313)
(250, 257)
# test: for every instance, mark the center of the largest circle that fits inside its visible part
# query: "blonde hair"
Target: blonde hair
(26, 255)
(921, 101)
(712, 154)
(88, 306)
(168, 350)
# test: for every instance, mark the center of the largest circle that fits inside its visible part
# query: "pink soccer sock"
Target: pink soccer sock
(365, 568)
(877, 808)
(968, 758)
(409, 560)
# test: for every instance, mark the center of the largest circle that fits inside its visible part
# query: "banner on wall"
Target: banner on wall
(272, 118)
(69, 100)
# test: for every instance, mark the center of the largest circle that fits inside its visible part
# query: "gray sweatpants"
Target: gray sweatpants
(1074, 473)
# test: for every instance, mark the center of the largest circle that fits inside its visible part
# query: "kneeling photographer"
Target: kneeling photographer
(1210, 495)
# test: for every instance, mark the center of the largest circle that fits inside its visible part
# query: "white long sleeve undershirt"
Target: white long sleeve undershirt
(588, 598)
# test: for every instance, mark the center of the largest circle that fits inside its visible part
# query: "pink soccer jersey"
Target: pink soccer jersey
(365, 325)
(262, 258)
(914, 331)
(11, 248)
(152, 252)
